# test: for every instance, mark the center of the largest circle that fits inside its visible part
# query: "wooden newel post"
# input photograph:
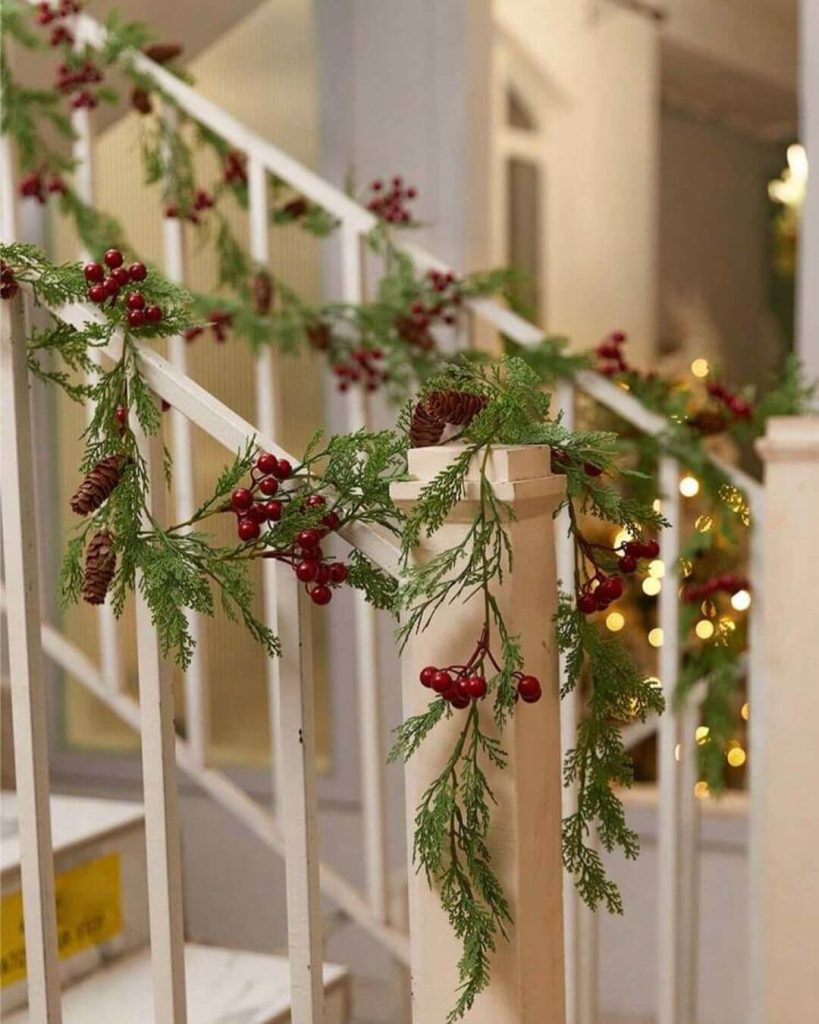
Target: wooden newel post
(527, 983)
(784, 759)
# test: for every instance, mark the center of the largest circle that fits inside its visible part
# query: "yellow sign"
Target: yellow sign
(89, 910)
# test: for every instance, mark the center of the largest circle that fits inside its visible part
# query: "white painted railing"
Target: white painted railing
(294, 789)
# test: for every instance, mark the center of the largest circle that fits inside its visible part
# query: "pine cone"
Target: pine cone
(98, 485)
(318, 334)
(262, 292)
(141, 100)
(100, 565)
(425, 429)
(457, 407)
(162, 52)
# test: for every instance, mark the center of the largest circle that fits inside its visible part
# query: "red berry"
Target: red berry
(113, 258)
(427, 675)
(610, 588)
(308, 538)
(307, 571)
(441, 681)
(248, 529)
(601, 601)
(136, 318)
(120, 275)
(267, 463)
(459, 701)
(321, 594)
(310, 554)
(136, 300)
(269, 485)
(137, 272)
(323, 574)
(331, 520)
(153, 314)
(94, 273)
(651, 549)
(316, 501)
(283, 469)
(591, 470)
(476, 687)
(241, 499)
(338, 572)
(529, 689)
(273, 510)
(627, 564)
(587, 603)
(258, 512)
(121, 415)
(98, 293)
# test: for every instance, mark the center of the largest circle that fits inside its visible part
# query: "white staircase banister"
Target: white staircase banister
(221, 423)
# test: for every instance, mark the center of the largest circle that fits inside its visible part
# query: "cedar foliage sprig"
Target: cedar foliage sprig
(453, 818)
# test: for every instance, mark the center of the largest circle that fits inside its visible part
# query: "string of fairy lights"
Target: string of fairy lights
(711, 626)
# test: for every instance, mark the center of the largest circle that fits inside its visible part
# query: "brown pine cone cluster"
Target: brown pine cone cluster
(430, 416)
(162, 53)
(98, 485)
(100, 566)
(141, 100)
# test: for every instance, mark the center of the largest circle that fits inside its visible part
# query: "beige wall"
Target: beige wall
(599, 112)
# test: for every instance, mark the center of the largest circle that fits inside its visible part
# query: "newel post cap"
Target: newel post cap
(520, 475)
(790, 439)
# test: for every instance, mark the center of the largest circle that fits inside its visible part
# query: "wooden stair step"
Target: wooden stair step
(224, 986)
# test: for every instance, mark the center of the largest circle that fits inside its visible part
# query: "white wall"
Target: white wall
(600, 112)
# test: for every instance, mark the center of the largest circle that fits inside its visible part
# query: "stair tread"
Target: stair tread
(224, 986)
(74, 820)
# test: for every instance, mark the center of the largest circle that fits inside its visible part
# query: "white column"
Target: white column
(784, 895)
(527, 972)
(807, 332)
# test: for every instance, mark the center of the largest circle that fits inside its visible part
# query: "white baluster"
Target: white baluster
(297, 796)
(25, 664)
(162, 826)
(579, 923)
(674, 842)
(196, 703)
(369, 697)
(8, 192)
(268, 420)
(83, 155)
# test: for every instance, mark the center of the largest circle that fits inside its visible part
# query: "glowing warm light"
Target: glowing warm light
(703, 523)
(615, 622)
(653, 681)
(745, 711)
(701, 734)
(741, 600)
(790, 187)
(701, 790)
(708, 609)
(652, 586)
(704, 629)
(685, 566)
(677, 750)
(656, 568)
(655, 637)
(736, 757)
(727, 625)
(689, 486)
(700, 368)
(656, 505)
(622, 537)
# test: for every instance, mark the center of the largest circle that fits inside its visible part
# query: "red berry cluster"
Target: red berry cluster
(255, 506)
(102, 288)
(8, 284)
(202, 200)
(47, 15)
(218, 321)
(295, 208)
(736, 405)
(727, 583)
(603, 588)
(234, 169)
(72, 78)
(390, 203)
(362, 366)
(36, 185)
(609, 352)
